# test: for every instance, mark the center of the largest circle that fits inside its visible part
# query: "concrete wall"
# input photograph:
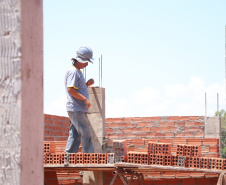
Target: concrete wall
(21, 92)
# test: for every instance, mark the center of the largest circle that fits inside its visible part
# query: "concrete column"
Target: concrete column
(21, 92)
(213, 129)
(97, 120)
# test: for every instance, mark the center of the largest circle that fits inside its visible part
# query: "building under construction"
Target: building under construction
(136, 150)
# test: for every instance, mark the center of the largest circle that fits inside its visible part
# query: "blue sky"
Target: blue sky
(159, 57)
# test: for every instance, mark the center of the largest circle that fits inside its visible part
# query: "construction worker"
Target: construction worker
(78, 103)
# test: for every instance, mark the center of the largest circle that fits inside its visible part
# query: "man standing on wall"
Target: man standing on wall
(78, 103)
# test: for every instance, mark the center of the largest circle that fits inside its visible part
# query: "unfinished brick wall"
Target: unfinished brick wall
(56, 128)
(152, 127)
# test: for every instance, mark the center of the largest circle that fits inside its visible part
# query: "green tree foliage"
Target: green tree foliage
(222, 114)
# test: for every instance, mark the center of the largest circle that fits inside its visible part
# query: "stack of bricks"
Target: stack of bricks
(120, 151)
(53, 155)
(159, 153)
(138, 158)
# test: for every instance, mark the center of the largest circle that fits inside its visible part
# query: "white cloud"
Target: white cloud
(176, 100)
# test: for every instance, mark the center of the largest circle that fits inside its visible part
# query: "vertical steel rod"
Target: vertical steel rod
(225, 67)
(205, 106)
(217, 104)
(101, 70)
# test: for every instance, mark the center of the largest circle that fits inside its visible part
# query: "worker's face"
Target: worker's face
(82, 65)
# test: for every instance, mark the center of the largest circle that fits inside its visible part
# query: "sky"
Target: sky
(159, 58)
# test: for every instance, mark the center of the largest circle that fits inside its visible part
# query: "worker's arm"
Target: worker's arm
(73, 92)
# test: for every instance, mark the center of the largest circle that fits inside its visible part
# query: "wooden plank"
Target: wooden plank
(139, 167)
(79, 167)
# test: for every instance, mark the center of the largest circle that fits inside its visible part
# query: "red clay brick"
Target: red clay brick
(173, 181)
(170, 124)
(184, 118)
(190, 181)
(145, 129)
(127, 129)
(154, 140)
(150, 124)
(122, 124)
(160, 182)
(159, 134)
(196, 175)
(124, 135)
(112, 136)
(216, 155)
(179, 134)
(153, 129)
(164, 128)
(169, 134)
(141, 124)
(117, 120)
(205, 181)
(161, 124)
(208, 175)
(155, 118)
(214, 149)
(108, 130)
(127, 119)
(130, 124)
(148, 181)
(188, 134)
(168, 174)
(166, 141)
(213, 181)
(131, 134)
(137, 119)
(210, 141)
(150, 134)
(181, 123)
(200, 124)
(143, 135)
(173, 128)
(179, 141)
(113, 125)
(194, 141)
(147, 119)
(189, 123)
(195, 117)
(135, 129)
(173, 118)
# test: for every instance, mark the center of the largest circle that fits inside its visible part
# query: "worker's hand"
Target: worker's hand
(90, 82)
(87, 102)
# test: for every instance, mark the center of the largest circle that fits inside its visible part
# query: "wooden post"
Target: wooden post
(21, 92)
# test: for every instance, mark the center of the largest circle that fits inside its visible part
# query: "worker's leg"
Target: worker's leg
(73, 141)
(84, 129)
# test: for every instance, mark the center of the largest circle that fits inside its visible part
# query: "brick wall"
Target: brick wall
(56, 128)
(152, 127)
